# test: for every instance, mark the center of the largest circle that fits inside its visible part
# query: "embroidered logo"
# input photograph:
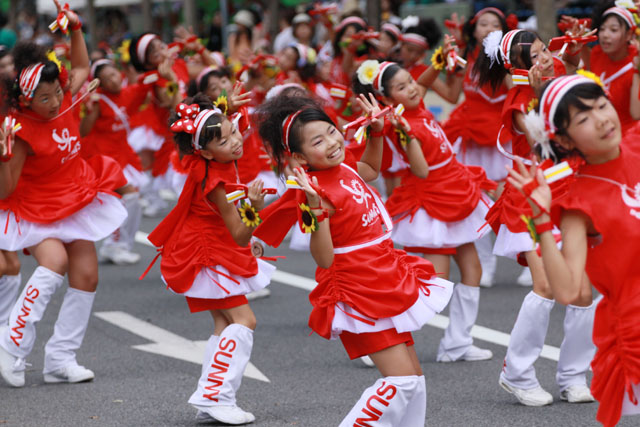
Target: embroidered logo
(66, 142)
(438, 133)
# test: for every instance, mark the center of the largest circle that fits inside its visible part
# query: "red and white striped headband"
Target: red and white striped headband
(204, 72)
(554, 93)
(351, 20)
(377, 81)
(29, 79)
(143, 44)
(199, 122)
(505, 47)
(96, 64)
(485, 10)
(622, 13)
(390, 28)
(286, 130)
(416, 39)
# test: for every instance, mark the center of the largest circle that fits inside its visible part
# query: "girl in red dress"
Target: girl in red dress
(439, 207)
(576, 114)
(369, 294)
(56, 205)
(105, 127)
(346, 50)
(206, 253)
(521, 49)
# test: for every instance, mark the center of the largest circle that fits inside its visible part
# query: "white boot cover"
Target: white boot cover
(224, 374)
(385, 403)
(18, 339)
(416, 412)
(527, 340)
(489, 261)
(69, 330)
(9, 287)
(212, 344)
(131, 224)
(463, 311)
(577, 348)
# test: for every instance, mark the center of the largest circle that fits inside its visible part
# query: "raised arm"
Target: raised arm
(80, 65)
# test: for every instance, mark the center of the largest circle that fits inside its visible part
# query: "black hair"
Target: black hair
(101, 67)
(138, 63)
(4, 51)
(270, 116)
(519, 56)
(598, 17)
(393, 36)
(469, 28)
(210, 130)
(308, 70)
(389, 73)
(194, 87)
(573, 98)
(25, 54)
(427, 28)
(364, 48)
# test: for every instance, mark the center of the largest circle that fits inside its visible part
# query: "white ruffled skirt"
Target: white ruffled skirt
(411, 320)
(210, 284)
(487, 156)
(509, 244)
(426, 232)
(144, 138)
(134, 177)
(94, 222)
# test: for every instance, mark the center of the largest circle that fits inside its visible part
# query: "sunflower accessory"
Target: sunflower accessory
(531, 228)
(438, 60)
(222, 102)
(309, 221)
(591, 76)
(532, 105)
(249, 215)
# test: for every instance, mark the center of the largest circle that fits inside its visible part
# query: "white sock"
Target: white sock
(463, 311)
(577, 348)
(69, 330)
(18, 339)
(227, 364)
(9, 287)
(527, 339)
(385, 403)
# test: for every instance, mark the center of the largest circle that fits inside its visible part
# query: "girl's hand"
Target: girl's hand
(256, 197)
(533, 185)
(535, 77)
(400, 122)
(74, 20)
(237, 99)
(3, 143)
(449, 45)
(369, 108)
(166, 72)
(312, 195)
(457, 31)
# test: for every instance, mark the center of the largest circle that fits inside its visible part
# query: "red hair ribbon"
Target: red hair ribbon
(187, 114)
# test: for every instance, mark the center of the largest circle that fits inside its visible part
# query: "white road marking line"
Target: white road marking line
(166, 343)
(438, 321)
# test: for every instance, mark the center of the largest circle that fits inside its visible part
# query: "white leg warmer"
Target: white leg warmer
(219, 384)
(9, 287)
(463, 311)
(386, 403)
(131, 225)
(212, 344)
(489, 261)
(416, 412)
(577, 349)
(527, 339)
(69, 330)
(18, 339)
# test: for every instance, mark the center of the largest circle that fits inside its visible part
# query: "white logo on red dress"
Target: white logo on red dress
(631, 198)
(66, 142)
(360, 195)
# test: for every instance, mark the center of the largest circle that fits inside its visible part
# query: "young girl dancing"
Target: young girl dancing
(369, 294)
(56, 205)
(439, 207)
(576, 118)
(206, 253)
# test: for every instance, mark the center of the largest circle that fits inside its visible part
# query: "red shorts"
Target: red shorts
(197, 305)
(432, 251)
(358, 345)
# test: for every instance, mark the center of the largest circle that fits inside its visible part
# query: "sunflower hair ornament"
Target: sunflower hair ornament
(591, 76)
(222, 102)
(51, 56)
(249, 215)
(438, 60)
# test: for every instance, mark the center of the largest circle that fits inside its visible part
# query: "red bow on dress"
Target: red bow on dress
(187, 114)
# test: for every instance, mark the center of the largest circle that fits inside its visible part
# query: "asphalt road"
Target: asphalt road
(311, 380)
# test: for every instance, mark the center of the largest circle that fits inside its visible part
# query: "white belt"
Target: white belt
(441, 164)
(347, 249)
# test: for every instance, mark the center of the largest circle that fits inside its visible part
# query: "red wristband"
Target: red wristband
(545, 226)
(323, 216)
(77, 26)
(201, 50)
(374, 134)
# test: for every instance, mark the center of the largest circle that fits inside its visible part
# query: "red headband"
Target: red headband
(416, 39)
(286, 129)
(485, 10)
(377, 81)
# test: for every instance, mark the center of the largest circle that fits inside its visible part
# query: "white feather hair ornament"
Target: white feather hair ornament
(537, 130)
(491, 45)
(410, 21)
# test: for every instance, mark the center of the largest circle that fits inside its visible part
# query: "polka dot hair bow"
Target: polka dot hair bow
(187, 114)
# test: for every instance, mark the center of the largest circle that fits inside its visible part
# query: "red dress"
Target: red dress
(367, 275)
(613, 268)
(617, 77)
(200, 259)
(56, 182)
(450, 194)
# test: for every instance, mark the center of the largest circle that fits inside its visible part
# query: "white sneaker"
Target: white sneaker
(73, 373)
(117, 254)
(532, 397)
(155, 207)
(367, 361)
(473, 354)
(577, 394)
(12, 368)
(229, 414)
(525, 279)
(486, 281)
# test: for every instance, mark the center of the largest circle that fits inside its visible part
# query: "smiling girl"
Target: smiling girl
(206, 252)
(56, 205)
(578, 117)
(369, 294)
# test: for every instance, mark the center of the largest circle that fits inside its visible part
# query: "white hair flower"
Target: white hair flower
(491, 44)
(367, 71)
(410, 21)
